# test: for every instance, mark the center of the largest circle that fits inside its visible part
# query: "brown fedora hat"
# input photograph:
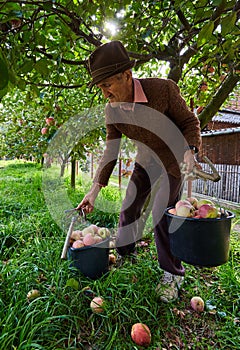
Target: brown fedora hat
(107, 60)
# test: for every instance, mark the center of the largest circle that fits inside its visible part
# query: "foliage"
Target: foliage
(61, 317)
(45, 44)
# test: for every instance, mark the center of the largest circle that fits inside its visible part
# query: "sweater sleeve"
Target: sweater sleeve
(110, 155)
(183, 117)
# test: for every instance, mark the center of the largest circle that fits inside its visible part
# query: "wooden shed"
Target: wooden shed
(221, 138)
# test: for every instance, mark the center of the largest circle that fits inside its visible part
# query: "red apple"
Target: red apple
(44, 131)
(112, 259)
(141, 334)
(200, 109)
(50, 121)
(172, 211)
(204, 201)
(78, 244)
(211, 69)
(197, 304)
(208, 211)
(97, 305)
(89, 239)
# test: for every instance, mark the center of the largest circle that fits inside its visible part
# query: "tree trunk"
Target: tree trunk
(218, 99)
(73, 173)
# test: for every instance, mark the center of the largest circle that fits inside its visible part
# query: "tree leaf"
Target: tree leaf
(71, 282)
(228, 23)
(205, 33)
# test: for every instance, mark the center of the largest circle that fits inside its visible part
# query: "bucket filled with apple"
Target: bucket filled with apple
(199, 232)
(89, 250)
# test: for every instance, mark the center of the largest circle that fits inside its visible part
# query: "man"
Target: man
(151, 112)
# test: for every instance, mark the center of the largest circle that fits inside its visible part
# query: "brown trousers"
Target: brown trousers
(167, 191)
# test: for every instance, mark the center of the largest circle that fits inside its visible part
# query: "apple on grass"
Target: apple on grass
(50, 121)
(140, 334)
(44, 131)
(97, 305)
(33, 294)
(197, 303)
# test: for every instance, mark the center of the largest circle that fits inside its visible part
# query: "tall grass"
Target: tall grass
(61, 318)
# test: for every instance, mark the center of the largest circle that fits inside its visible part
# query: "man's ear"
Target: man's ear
(127, 74)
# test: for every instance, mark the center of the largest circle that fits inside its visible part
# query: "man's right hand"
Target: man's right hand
(87, 204)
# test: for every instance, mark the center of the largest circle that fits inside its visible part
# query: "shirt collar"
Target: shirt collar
(138, 96)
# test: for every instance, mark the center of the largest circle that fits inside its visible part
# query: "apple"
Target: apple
(98, 239)
(76, 235)
(103, 232)
(172, 211)
(97, 305)
(33, 294)
(140, 334)
(112, 259)
(193, 201)
(50, 121)
(182, 202)
(89, 239)
(78, 244)
(197, 304)
(208, 211)
(204, 86)
(44, 131)
(88, 230)
(185, 210)
(211, 69)
(204, 201)
(200, 109)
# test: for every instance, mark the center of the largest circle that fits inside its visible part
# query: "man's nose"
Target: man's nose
(105, 92)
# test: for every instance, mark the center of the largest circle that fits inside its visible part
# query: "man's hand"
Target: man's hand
(87, 204)
(190, 161)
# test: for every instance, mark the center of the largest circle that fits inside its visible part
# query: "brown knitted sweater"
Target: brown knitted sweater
(160, 128)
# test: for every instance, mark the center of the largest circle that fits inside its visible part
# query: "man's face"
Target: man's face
(118, 88)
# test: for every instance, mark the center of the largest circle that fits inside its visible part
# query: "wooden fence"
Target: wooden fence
(228, 188)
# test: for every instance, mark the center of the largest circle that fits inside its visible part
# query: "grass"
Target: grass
(61, 318)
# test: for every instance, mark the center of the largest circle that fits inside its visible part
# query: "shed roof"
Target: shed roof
(220, 131)
(227, 116)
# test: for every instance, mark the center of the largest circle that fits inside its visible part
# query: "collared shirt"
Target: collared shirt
(138, 96)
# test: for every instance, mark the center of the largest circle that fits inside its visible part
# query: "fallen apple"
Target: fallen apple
(44, 131)
(208, 211)
(140, 334)
(197, 303)
(97, 305)
(50, 121)
(33, 294)
(112, 259)
(185, 210)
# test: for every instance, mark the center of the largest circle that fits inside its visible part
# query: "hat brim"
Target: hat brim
(124, 67)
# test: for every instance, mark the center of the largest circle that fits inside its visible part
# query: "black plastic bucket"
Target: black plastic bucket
(91, 261)
(201, 242)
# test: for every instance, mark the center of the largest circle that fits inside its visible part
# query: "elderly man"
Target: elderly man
(151, 112)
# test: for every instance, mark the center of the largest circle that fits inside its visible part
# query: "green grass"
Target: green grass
(61, 318)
